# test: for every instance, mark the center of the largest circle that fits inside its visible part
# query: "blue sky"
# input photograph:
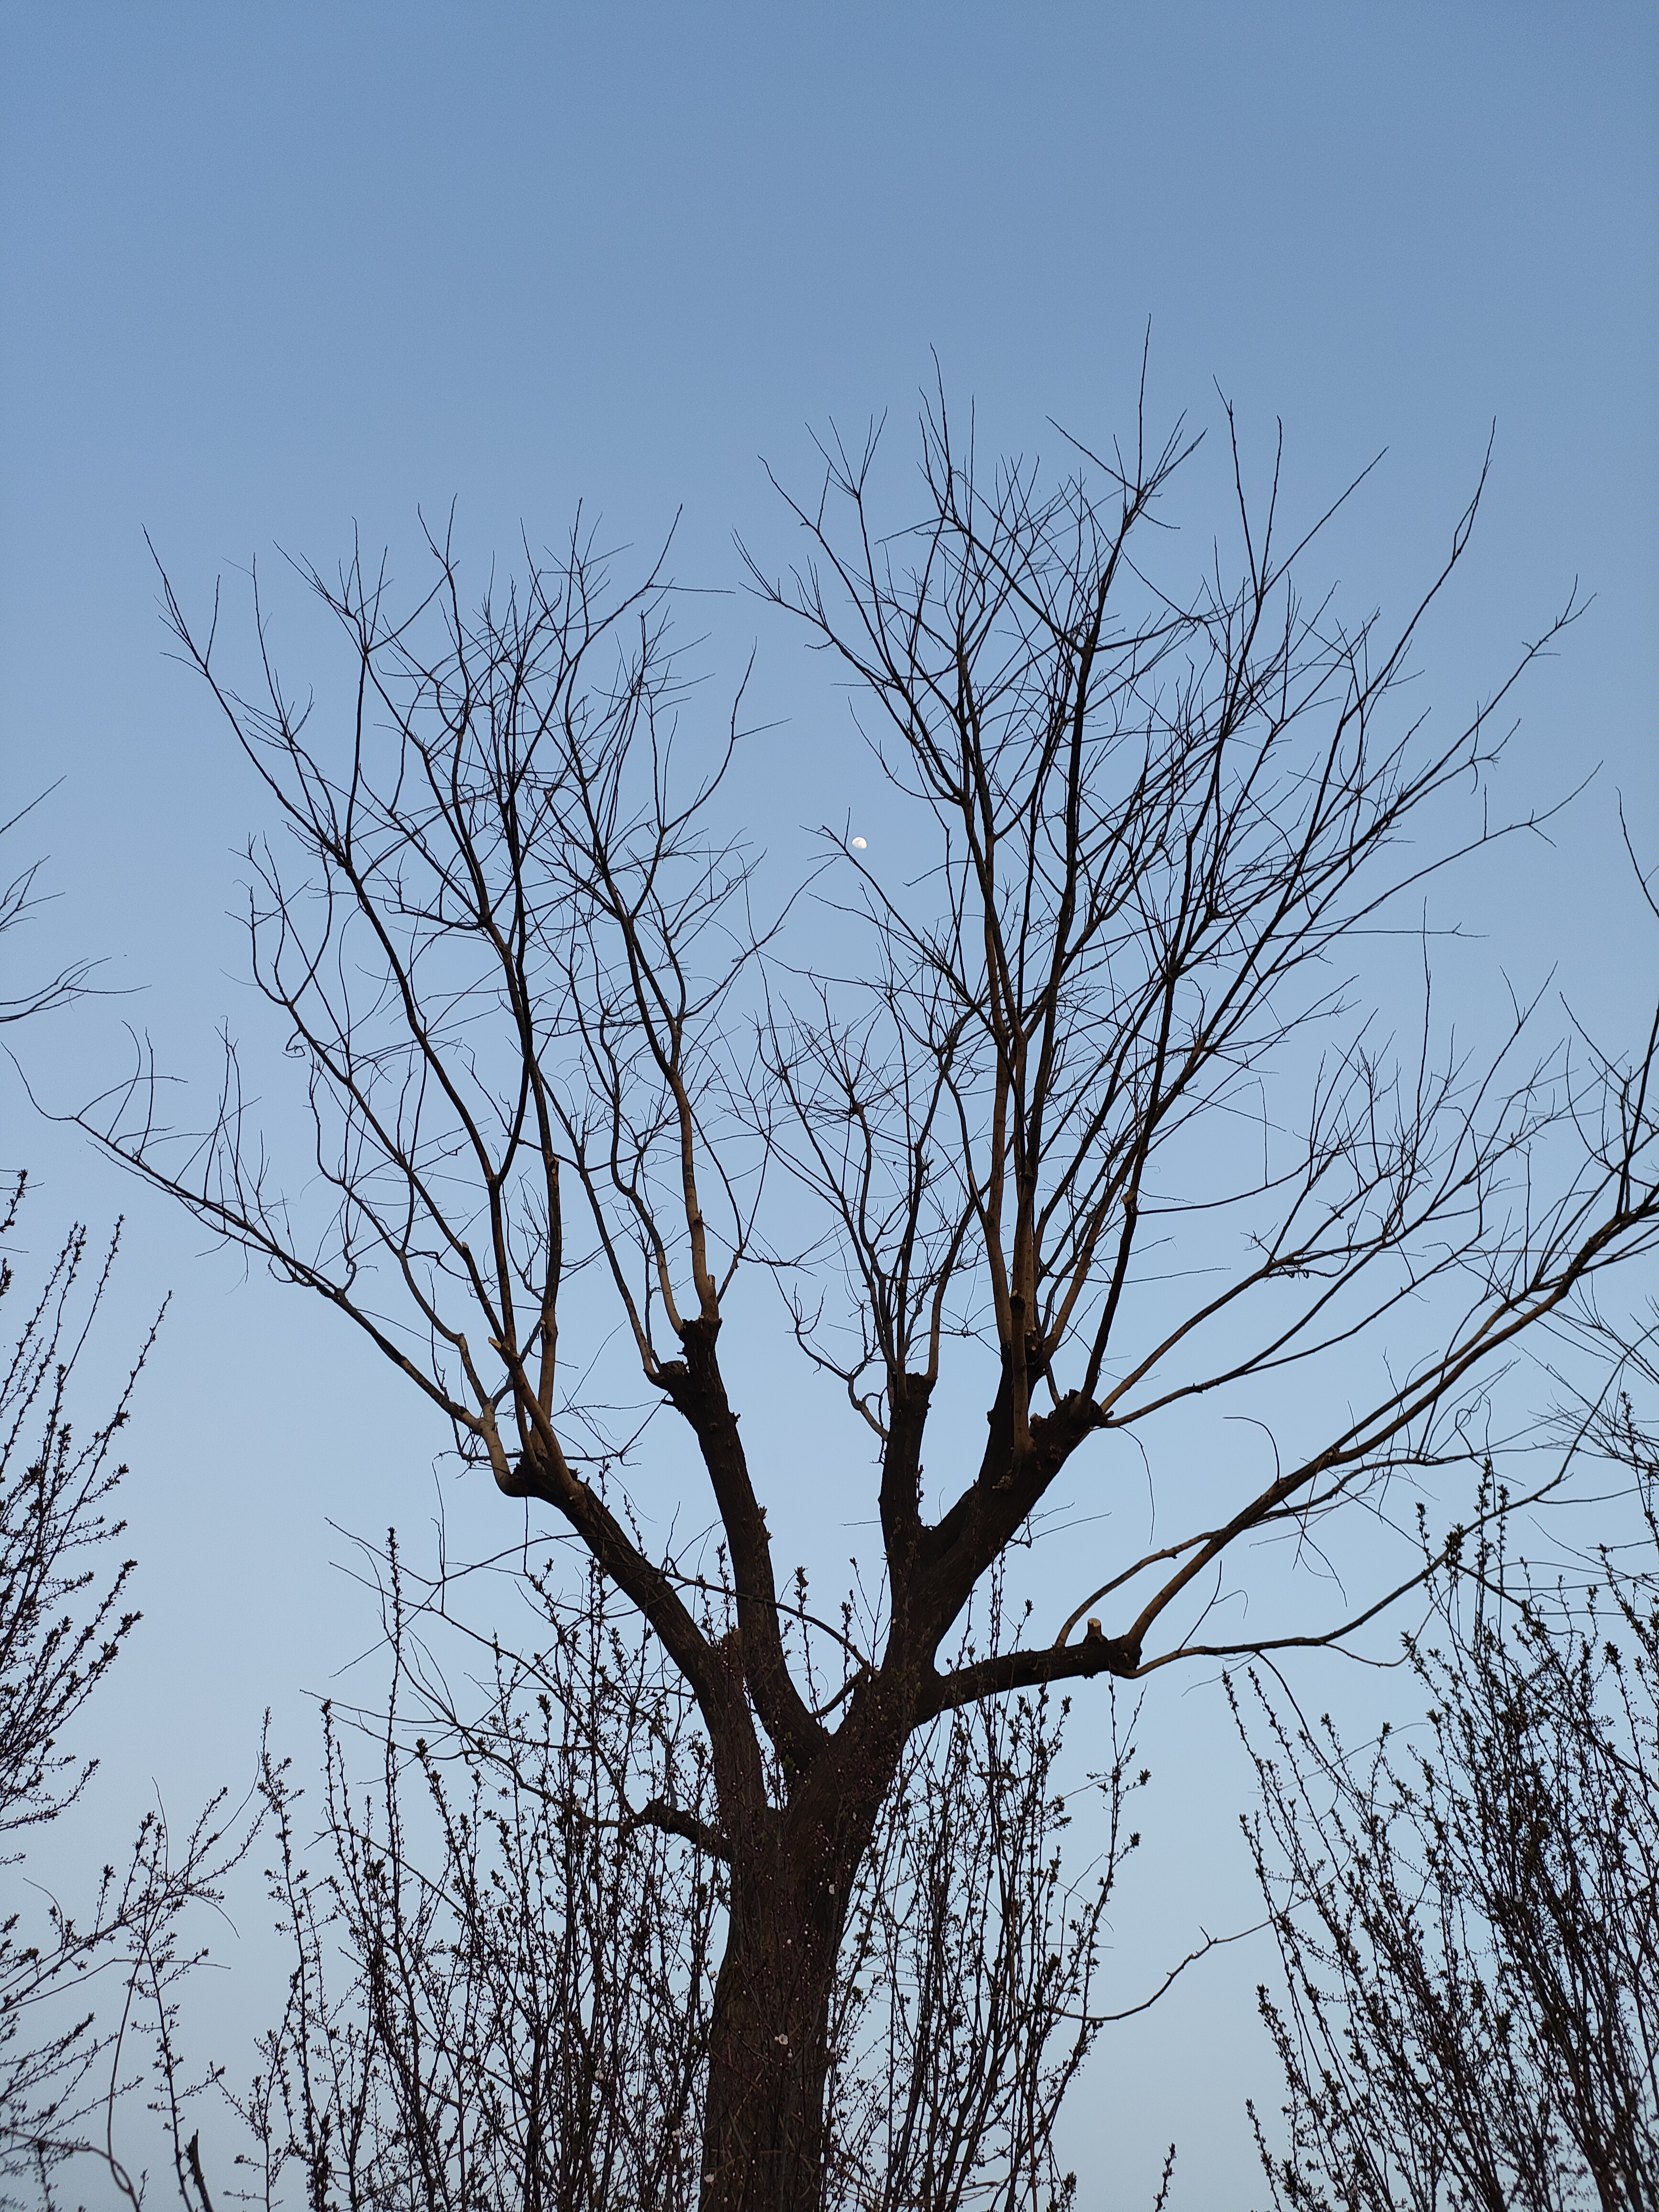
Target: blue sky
(272, 273)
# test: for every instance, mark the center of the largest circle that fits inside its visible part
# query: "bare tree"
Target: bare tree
(1469, 1924)
(69, 2060)
(59, 1632)
(562, 1080)
(500, 1986)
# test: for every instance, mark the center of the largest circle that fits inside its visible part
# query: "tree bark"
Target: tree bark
(763, 2133)
(793, 1871)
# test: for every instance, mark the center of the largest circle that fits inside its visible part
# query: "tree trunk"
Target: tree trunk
(792, 1873)
(768, 2038)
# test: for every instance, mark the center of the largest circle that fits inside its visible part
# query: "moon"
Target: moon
(858, 845)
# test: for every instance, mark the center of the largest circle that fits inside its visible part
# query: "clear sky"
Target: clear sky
(268, 273)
